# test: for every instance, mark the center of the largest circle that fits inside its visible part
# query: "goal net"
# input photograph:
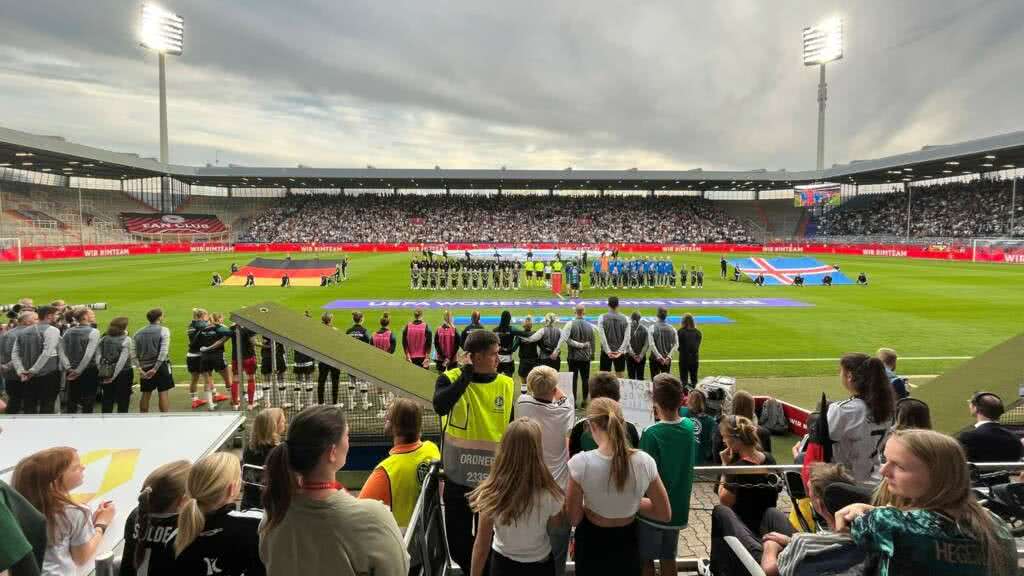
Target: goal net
(10, 249)
(1009, 250)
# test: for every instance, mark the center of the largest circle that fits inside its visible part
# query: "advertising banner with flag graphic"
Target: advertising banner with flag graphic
(172, 223)
(782, 271)
(268, 272)
(117, 451)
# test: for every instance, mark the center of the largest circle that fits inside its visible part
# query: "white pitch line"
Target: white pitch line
(755, 360)
(828, 359)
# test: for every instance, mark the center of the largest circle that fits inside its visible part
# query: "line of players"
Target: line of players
(452, 274)
(468, 274)
(643, 273)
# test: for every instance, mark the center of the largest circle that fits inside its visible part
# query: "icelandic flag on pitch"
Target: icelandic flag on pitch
(781, 271)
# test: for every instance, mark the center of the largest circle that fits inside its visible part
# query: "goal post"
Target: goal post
(1008, 250)
(10, 250)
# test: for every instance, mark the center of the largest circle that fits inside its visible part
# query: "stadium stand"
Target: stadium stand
(48, 215)
(956, 210)
(376, 218)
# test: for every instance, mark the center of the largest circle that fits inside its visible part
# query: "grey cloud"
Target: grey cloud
(531, 83)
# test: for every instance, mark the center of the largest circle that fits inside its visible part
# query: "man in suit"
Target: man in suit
(989, 441)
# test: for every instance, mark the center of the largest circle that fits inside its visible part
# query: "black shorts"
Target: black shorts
(212, 363)
(606, 363)
(162, 381)
(303, 369)
(266, 368)
(574, 286)
(193, 364)
(529, 273)
(547, 276)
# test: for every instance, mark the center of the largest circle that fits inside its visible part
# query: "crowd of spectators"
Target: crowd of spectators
(980, 208)
(892, 497)
(389, 218)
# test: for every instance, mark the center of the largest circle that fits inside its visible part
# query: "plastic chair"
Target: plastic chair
(753, 566)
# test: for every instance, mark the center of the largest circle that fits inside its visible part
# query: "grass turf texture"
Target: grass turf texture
(920, 308)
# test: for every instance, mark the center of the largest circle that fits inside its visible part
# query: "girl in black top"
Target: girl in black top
(528, 354)
(747, 494)
(267, 429)
(150, 529)
(508, 341)
(212, 537)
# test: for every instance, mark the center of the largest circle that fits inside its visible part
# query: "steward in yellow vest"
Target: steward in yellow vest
(475, 404)
(397, 480)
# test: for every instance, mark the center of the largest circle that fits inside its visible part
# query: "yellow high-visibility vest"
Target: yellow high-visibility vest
(406, 472)
(473, 428)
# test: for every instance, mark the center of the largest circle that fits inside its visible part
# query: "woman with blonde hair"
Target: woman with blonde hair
(212, 537)
(517, 503)
(607, 488)
(73, 532)
(267, 429)
(150, 528)
(548, 339)
(749, 495)
(925, 520)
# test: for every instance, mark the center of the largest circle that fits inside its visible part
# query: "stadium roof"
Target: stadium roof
(55, 155)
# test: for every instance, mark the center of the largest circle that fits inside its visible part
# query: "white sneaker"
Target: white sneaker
(236, 407)
(704, 567)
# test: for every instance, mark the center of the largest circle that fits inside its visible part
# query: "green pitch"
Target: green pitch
(935, 314)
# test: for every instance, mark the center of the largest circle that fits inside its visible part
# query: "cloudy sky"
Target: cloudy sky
(520, 83)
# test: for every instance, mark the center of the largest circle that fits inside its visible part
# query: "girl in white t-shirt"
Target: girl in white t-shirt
(46, 479)
(858, 425)
(607, 487)
(516, 503)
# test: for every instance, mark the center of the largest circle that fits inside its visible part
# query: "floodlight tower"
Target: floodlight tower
(823, 44)
(163, 32)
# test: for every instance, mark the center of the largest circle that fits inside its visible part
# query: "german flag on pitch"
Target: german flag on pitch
(268, 272)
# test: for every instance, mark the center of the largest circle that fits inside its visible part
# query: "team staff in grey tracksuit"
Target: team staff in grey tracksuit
(116, 351)
(36, 361)
(639, 342)
(152, 346)
(77, 353)
(579, 336)
(15, 387)
(613, 327)
(663, 344)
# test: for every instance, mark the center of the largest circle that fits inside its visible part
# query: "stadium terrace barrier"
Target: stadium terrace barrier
(932, 252)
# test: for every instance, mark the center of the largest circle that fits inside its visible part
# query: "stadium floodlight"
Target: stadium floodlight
(163, 32)
(823, 44)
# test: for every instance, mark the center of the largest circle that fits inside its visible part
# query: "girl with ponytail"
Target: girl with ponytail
(857, 426)
(150, 530)
(312, 525)
(607, 488)
(212, 537)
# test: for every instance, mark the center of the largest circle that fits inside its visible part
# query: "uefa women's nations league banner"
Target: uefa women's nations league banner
(118, 452)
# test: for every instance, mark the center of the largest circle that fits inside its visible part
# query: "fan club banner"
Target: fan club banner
(172, 223)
